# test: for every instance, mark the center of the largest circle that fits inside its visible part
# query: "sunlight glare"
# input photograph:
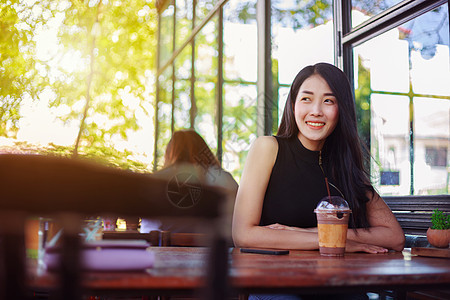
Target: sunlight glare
(40, 125)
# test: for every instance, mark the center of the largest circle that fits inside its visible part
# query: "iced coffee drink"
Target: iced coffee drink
(332, 222)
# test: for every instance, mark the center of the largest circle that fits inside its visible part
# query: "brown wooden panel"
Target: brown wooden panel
(418, 203)
(414, 212)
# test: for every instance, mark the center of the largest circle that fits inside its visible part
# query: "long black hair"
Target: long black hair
(342, 146)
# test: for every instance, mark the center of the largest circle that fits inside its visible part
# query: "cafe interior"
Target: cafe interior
(224, 68)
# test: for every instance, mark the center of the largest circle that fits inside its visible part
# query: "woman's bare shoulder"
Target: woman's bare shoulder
(267, 143)
(264, 150)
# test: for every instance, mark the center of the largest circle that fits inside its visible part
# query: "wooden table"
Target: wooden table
(181, 270)
(308, 272)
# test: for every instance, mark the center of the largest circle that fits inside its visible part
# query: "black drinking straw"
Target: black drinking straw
(326, 179)
(328, 189)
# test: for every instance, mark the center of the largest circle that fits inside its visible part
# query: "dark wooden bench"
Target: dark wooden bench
(414, 212)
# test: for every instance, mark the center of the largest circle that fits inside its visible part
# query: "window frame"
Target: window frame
(346, 37)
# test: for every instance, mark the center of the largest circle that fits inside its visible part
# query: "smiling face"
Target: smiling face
(316, 112)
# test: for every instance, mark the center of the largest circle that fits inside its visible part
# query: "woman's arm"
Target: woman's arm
(249, 202)
(384, 229)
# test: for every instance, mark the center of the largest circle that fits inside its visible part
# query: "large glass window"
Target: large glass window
(188, 73)
(401, 77)
(182, 98)
(400, 71)
(204, 7)
(431, 140)
(239, 127)
(240, 48)
(164, 115)
(183, 21)
(166, 36)
(205, 83)
(239, 91)
(302, 33)
(363, 10)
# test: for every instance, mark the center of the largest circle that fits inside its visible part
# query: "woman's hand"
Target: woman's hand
(384, 230)
(352, 246)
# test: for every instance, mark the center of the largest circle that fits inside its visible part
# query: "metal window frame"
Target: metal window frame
(194, 33)
(264, 81)
(162, 66)
(264, 78)
(347, 38)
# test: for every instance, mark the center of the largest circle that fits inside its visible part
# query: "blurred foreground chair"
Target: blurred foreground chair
(69, 190)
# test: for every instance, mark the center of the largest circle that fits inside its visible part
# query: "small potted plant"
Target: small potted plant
(438, 234)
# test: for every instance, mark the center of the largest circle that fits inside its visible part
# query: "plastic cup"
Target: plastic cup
(332, 222)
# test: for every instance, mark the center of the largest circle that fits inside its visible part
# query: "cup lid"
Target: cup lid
(332, 204)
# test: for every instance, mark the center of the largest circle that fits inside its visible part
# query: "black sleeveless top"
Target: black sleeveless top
(296, 185)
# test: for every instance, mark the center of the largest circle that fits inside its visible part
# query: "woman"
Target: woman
(187, 146)
(187, 152)
(284, 176)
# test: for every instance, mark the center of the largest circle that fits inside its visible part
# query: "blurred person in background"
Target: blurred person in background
(189, 159)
